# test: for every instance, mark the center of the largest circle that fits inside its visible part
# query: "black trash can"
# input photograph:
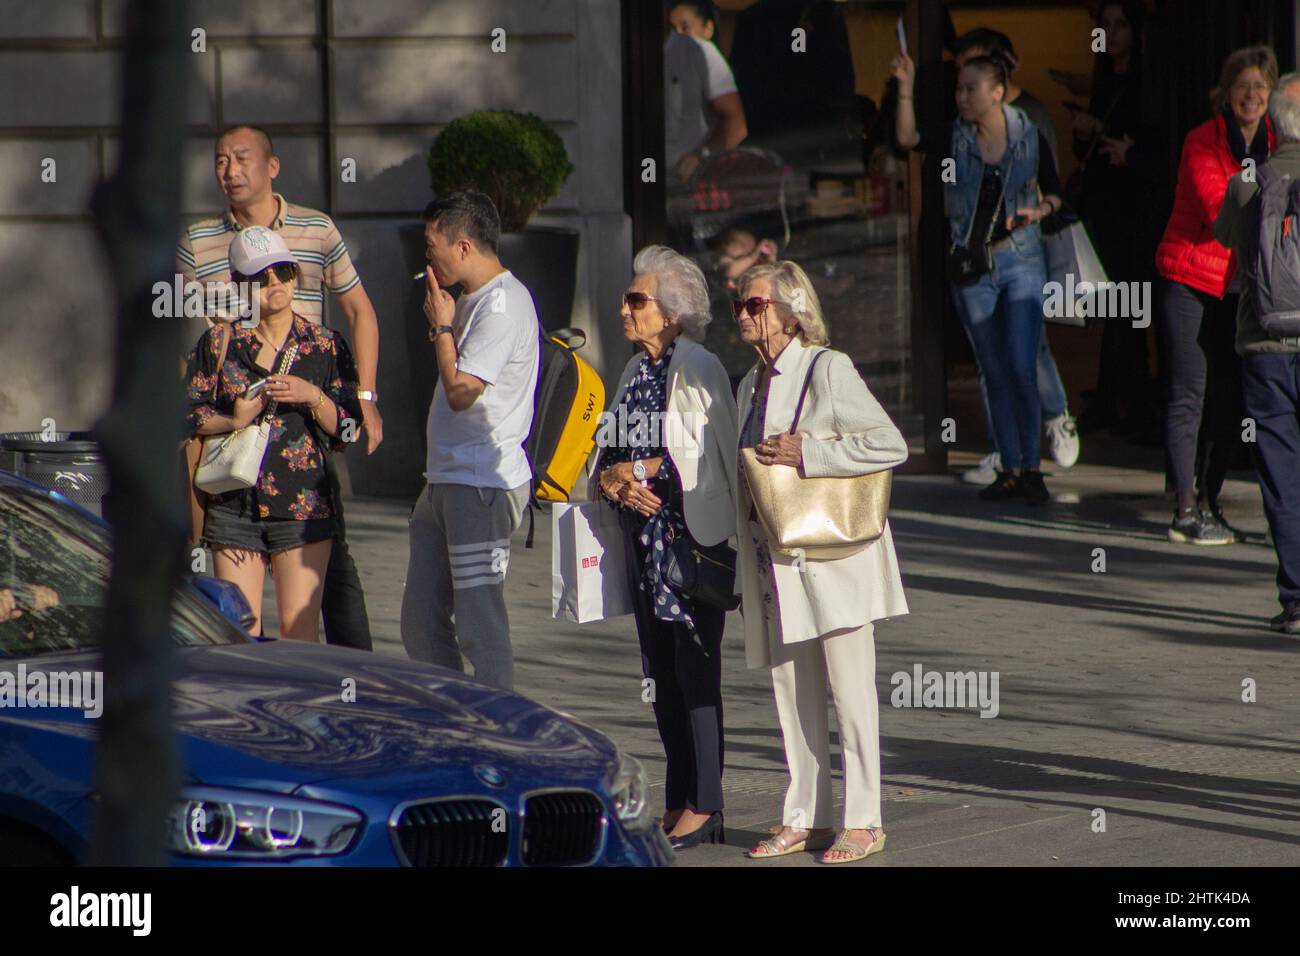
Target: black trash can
(70, 463)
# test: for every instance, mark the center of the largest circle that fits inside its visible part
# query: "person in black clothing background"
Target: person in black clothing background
(1117, 149)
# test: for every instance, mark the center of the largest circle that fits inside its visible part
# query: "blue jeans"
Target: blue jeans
(1051, 390)
(1002, 314)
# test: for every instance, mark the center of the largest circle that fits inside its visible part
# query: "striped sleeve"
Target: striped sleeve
(185, 262)
(340, 275)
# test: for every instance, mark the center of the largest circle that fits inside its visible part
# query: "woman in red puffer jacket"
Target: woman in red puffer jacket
(1199, 296)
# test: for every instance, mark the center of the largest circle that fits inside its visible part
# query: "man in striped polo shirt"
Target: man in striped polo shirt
(246, 166)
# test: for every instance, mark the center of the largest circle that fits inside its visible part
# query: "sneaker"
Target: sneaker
(1237, 536)
(1288, 622)
(1063, 439)
(1032, 487)
(985, 472)
(1004, 486)
(1199, 527)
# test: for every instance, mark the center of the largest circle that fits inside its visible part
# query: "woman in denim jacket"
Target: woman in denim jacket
(1002, 182)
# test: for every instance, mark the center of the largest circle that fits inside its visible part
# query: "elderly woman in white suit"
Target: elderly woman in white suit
(810, 620)
(670, 481)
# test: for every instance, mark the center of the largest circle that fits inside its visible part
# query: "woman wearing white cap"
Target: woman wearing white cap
(302, 379)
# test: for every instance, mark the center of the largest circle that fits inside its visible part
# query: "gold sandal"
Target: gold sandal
(856, 851)
(776, 845)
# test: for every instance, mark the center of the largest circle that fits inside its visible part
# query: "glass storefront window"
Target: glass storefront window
(808, 182)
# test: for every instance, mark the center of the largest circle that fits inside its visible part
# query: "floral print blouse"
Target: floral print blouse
(293, 483)
(647, 393)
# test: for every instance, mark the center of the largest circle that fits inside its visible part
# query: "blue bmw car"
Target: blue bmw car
(294, 755)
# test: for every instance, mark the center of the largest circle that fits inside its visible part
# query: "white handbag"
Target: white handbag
(233, 461)
(589, 573)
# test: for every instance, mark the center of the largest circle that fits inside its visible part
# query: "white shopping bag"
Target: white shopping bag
(589, 574)
(1071, 261)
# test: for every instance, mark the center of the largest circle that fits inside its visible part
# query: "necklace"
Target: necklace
(263, 336)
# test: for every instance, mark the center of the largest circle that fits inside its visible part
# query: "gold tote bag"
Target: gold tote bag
(822, 518)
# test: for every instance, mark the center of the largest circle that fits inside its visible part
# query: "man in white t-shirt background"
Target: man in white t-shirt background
(702, 109)
(486, 348)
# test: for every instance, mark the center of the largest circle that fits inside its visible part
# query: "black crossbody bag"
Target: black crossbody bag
(969, 262)
(703, 573)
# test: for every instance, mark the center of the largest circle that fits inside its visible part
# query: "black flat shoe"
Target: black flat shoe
(1032, 487)
(709, 832)
(1004, 486)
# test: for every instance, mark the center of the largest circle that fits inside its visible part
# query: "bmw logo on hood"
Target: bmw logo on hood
(490, 775)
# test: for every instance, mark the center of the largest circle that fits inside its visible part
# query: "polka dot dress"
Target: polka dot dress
(647, 394)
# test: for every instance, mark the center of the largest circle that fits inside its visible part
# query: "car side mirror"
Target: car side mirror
(226, 597)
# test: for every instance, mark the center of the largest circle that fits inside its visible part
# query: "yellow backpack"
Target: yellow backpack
(566, 412)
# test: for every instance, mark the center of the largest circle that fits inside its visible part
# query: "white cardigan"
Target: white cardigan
(700, 436)
(846, 432)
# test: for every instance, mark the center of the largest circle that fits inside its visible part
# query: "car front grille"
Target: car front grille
(453, 833)
(561, 829)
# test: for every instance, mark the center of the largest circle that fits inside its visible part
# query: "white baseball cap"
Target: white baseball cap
(256, 247)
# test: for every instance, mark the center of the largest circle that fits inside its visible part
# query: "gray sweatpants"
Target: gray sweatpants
(460, 548)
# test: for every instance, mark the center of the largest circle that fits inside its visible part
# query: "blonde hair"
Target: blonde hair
(792, 288)
(1237, 63)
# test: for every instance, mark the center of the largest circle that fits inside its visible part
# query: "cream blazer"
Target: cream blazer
(699, 430)
(846, 432)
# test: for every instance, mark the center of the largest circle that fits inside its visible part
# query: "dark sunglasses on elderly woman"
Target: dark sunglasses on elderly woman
(284, 271)
(753, 305)
(636, 301)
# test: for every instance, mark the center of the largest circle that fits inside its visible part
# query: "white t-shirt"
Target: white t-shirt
(695, 74)
(496, 340)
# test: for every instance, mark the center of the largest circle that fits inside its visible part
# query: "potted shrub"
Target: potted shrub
(521, 163)
(515, 158)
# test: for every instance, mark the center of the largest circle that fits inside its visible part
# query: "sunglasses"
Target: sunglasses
(284, 271)
(753, 305)
(636, 301)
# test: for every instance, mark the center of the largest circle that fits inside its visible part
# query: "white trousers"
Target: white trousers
(800, 674)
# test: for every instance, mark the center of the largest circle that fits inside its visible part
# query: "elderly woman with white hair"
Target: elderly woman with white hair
(810, 621)
(672, 475)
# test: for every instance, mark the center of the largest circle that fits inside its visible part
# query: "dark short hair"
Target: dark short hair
(704, 9)
(466, 214)
(266, 137)
(990, 41)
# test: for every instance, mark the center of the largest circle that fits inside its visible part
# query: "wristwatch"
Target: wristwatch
(367, 395)
(437, 330)
(638, 470)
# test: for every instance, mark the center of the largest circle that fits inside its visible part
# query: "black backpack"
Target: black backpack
(1276, 256)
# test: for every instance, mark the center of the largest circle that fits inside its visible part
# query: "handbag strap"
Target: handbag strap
(993, 219)
(803, 392)
(282, 367)
(221, 359)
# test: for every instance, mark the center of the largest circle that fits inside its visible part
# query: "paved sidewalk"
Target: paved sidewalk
(1119, 691)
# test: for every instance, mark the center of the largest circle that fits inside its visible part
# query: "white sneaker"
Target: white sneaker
(1063, 440)
(986, 472)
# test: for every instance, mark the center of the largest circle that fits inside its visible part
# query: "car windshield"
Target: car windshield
(54, 571)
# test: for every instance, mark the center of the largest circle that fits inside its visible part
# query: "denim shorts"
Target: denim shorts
(226, 529)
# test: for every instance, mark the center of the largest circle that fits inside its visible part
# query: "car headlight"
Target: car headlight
(223, 824)
(631, 794)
